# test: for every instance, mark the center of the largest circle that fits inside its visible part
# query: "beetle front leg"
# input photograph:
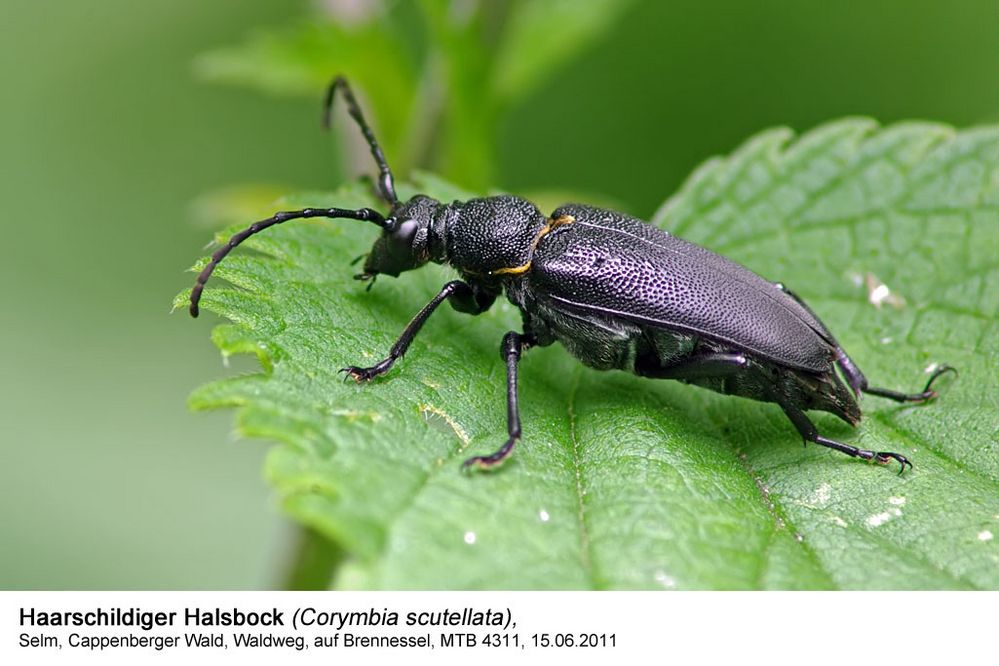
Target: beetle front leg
(511, 349)
(460, 293)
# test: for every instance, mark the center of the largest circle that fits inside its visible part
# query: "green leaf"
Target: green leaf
(623, 482)
(543, 35)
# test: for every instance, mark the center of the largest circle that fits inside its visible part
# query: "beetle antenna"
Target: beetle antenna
(386, 182)
(365, 214)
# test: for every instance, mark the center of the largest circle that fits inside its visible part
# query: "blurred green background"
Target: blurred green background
(109, 137)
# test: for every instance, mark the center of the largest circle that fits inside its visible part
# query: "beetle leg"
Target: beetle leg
(856, 379)
(473, 302)
(457, 290)
(511, 349)
(698, 367)
(810, 433)
(859, 383)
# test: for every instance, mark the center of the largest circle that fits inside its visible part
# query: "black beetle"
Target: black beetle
(617, 292)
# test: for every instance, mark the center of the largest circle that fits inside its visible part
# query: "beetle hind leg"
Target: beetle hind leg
(859, 383)
(925, 395)
(856, 378)
(810, 433)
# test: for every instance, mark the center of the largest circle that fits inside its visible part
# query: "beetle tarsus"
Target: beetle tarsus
(493, 460)
(810, 433)
(885, 457)
(367, 374)
(880, 457)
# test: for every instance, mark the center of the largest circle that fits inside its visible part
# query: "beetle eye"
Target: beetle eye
(402, 233)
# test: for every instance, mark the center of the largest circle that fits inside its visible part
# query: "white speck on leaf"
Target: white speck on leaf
(665, 580)
(897, 501)
(879, 518)
(985, 535)
(353, 415)
(821, 495)
(469, 538)
(543, 515)
(839, 521)
(879, 294)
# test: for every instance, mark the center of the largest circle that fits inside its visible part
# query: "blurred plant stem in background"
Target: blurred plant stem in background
(434, 76)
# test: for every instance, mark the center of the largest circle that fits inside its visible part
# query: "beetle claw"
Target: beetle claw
(469, 464)
(928, 392)
(359, 374)
(367, 374)
(493, 460)
(885, 457)
(942, 370)
(481, 463)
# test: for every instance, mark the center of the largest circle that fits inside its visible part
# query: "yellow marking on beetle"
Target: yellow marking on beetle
(516, 270)
(558, 222)
(551, 224)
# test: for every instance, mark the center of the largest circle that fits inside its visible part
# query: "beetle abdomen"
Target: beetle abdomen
(602, 343)
(619, 267)
(613, 343)
(762, 380)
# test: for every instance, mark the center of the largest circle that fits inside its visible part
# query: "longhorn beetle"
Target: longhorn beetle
(618, 293)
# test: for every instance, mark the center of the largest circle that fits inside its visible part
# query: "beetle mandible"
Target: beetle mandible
(618, 293)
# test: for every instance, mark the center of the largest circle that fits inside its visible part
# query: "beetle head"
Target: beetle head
(403, 244)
